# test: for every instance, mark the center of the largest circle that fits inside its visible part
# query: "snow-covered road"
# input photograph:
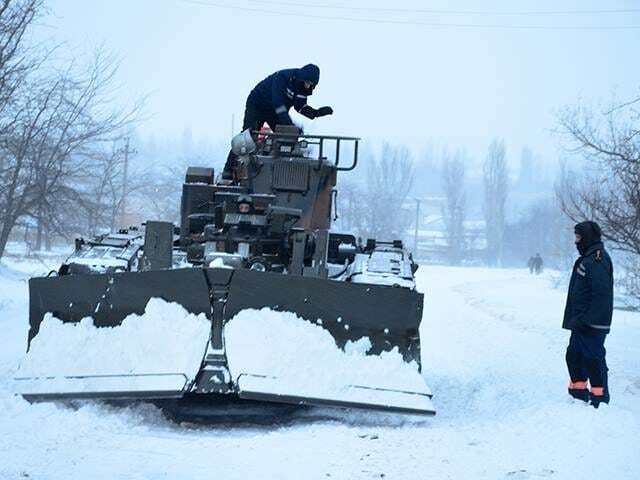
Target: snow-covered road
(493, 353)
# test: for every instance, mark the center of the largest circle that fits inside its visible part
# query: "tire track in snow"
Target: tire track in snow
(470, 351)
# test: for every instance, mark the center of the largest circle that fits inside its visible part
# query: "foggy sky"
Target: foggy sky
(412, 84)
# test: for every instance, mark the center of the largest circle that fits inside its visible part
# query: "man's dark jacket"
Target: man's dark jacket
(590, 299)
(280, 91)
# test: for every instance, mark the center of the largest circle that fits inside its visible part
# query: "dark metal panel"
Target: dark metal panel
(199, 175)
(158, 246)
(389, 316)
(314, 200)
(196, 198)
(109, 298)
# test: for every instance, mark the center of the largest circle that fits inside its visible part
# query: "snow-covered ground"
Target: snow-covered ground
(493, 353)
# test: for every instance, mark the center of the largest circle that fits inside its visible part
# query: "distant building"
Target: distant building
(428, 239)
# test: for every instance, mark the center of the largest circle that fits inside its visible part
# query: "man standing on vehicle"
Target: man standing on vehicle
(588, 315)
(272, 98)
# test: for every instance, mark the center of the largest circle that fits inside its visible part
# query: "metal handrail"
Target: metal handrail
(303, 135)
(320, 141)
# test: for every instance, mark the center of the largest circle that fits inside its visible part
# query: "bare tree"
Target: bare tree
(629, 280)
(16, 59)
(100, 196)
(453, 211)
(60, 122)
(349, 213)
(389, 181)
(608, 191)
(496, 186)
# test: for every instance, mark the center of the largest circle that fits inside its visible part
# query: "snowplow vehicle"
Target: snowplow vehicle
(252, 297)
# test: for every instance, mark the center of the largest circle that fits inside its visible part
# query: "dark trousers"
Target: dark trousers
(586, 359)
(254, 118)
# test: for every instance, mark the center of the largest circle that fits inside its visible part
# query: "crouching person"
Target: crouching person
(588, 315)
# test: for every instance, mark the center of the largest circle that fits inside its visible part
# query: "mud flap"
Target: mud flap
(271, 389)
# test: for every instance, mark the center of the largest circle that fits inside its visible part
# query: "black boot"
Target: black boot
(596, 400)
(579, 394)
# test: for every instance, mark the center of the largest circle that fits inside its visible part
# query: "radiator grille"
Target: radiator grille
(290, 175)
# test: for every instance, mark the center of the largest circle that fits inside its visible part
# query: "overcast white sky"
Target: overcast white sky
(415, 84)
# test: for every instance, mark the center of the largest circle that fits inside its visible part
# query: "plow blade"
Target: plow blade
(277, 358)
(109, 298)
(118, 351)
(389, 317)
(270, 389)
(164, 321)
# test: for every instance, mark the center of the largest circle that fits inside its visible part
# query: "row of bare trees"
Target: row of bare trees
(495, 183)
(59, 169)
(376, 206)
(454, 207)
(496, 189)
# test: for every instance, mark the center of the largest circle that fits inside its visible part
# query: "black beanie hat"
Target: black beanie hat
(310, 73)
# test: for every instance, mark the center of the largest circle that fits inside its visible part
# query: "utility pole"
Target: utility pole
(125, 185)
(233, 124)
(416, 231)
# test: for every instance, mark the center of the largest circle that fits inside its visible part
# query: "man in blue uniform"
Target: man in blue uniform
(588, 315)
(272, 98)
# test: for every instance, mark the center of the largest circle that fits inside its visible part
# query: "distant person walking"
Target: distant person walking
(535, 264)
(531, 264)
(588, 315)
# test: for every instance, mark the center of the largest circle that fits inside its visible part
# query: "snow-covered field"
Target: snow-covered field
(493, 353)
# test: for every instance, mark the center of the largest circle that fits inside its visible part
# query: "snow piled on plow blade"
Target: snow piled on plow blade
(159, 351)
(281, 355)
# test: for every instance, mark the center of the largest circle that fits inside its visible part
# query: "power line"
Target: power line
(409, 22)
(448, 12)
